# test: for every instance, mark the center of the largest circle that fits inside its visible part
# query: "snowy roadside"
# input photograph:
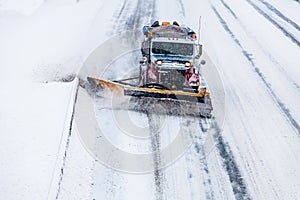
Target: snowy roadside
(32, 124)
(40, 43)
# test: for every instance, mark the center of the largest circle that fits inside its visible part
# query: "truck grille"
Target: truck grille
(170, 78)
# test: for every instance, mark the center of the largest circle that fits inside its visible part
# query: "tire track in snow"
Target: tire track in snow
(182, 9)
(276, 24)
(267, 54)
(279, 14)
(196, 155)
(133, 22)
(141, 12)
(251, 170)
(209, 193)
(236, 179)
(248, 56)
(229, 9)
(122, 9)
(159, 176)
(123, 22)
(120, 17)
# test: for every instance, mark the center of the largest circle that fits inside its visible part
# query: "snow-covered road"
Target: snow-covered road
(252, 153)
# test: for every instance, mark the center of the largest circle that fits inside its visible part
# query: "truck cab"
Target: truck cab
(171, 57)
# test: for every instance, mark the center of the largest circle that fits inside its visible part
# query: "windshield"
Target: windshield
(171, 48)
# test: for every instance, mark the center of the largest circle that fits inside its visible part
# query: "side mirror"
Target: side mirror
(202, 62)
(144, 60)
(199, 48)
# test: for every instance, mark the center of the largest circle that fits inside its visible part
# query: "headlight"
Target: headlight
(188, 64)
(158, 62)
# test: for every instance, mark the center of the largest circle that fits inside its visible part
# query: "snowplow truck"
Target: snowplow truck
(169, 73)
